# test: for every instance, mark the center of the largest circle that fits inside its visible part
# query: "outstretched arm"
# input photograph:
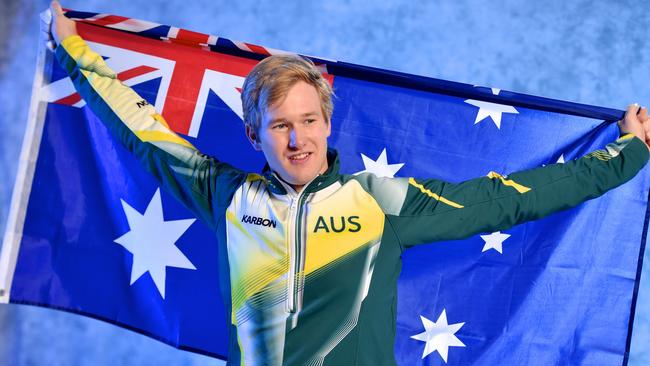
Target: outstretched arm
(201, 183)
(434, 210)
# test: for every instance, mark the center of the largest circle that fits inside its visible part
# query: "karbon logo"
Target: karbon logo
(247, 219)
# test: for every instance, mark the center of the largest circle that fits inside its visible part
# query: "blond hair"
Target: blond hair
(270, 80)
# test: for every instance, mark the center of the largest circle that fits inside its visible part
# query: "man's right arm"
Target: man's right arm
(200, 182)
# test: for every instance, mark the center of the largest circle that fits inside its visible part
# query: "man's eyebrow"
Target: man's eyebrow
(283, 119)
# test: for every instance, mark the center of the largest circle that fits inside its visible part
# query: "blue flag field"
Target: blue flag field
(560, 290)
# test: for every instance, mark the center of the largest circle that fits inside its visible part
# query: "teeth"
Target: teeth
(299, 156)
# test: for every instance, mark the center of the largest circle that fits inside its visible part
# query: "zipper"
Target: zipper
(295, 279)
(297, 258)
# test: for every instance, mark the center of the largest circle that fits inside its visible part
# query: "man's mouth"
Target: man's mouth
(298, 158)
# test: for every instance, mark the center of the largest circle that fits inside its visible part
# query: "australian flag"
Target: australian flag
(561, 290)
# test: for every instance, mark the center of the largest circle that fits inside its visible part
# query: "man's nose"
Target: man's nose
(296, 138)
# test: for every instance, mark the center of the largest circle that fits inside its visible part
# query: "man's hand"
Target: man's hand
(55, 26)
(637, 122)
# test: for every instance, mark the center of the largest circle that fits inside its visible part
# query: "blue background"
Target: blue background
(585, 51)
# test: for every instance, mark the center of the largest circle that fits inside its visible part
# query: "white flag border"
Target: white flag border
(25, 175)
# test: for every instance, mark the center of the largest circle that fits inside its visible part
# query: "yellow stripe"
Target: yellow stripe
(508, 182)
(600, 155)
(253, 177)
(160, 119)
(73, 45)
(241, 351)
(627, 136)
(433, 195)
(160, 136)
(601, 158)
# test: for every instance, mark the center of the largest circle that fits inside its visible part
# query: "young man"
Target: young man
(309, 257)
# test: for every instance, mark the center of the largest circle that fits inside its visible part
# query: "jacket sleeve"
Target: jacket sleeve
(433, 210)
(200, 182)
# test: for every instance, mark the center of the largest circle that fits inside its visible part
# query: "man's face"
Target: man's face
(293, 136)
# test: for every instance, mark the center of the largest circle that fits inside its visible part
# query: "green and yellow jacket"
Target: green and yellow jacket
(310, 278)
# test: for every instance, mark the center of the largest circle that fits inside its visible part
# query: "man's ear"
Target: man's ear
(253, 138)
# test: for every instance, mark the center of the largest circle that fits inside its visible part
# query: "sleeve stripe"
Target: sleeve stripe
(159, 136)
(509, 182)
(433, 195)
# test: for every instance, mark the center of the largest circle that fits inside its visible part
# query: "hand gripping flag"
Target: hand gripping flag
(90, 231)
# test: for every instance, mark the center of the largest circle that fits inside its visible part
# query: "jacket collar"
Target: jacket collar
(321, 181)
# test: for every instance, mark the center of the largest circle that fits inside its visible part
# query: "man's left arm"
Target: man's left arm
(434, 210)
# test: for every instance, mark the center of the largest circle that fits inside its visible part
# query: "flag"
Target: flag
(558, 290)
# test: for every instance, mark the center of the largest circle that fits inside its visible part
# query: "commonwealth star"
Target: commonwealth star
(151, 241)
(439, 336)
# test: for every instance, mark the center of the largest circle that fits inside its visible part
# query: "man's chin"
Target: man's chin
(300, 181)
(293, 180)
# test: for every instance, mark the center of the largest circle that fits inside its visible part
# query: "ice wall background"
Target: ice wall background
(593, 52)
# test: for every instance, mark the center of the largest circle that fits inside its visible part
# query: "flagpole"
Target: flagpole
(24, 175)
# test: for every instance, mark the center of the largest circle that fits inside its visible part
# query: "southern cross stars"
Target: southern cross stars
(492, 110)
(439, 336)
(151, 241)
(494, 241)
(380, 167)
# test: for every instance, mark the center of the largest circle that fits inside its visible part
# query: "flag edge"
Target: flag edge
(637, 283)
(24, 177)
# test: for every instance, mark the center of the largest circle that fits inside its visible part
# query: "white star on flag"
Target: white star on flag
(560, 160)
(439, 336)
(380, 167)
(494, 241)
(492, 110)
(151, 241)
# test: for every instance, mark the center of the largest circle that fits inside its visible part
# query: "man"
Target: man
(309, 257)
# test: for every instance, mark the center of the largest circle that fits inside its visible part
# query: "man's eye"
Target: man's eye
(279, 126)
(310, 121)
